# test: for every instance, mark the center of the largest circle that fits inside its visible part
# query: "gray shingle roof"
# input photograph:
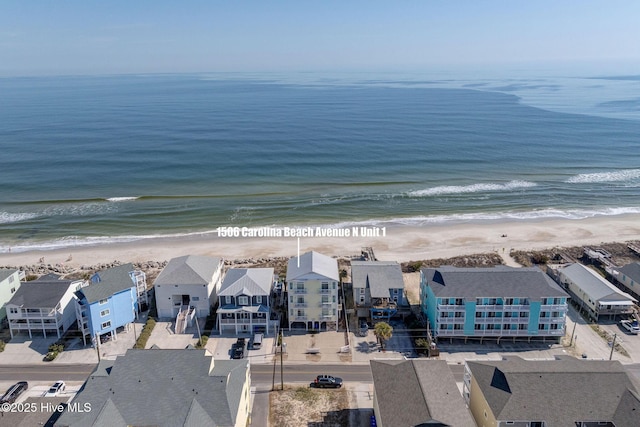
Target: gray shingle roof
(594, 285)
(631, 270)
(111, 281)
(188, 270)
(313, 262)
(500, 281)
(45, 292)
(164, 388)
(247, 281)
(412, 392)
(379, 275)
(6, 272)
(559, 392)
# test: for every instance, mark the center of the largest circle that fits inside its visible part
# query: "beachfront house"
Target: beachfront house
(46, 305)
(187, 288)
(628, 277)
(9, 284)
(594, 295)
(163, 388)
(499, 302)
(244, 300)
(312, 284)
(378, 289)
(562, 392)
(109, 301)
(417, 393)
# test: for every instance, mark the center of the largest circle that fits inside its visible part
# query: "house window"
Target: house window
(13, 290)
(106, 325)
(259, 299)
(361, 291)
(243, 300)
(459, 314)
(104, 301)
(361, 299)
(477, 327)
(13, 310)
(227, 299)
(105, 312)
(524, 314)
(195, 298)
(522, 326)
(325, 299)
(325, 286)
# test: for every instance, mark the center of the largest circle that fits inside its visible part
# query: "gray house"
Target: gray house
(163, 388)
(409, 393)
(378, 289)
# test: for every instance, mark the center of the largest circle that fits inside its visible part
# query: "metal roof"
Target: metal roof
(247, 281)
(594, 285)
(312, 263)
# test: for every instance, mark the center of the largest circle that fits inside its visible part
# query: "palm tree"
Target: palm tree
(383, 331)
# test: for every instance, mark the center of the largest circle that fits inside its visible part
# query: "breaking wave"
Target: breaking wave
(473, 188)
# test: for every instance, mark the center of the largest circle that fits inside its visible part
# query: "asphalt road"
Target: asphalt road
(52, 372)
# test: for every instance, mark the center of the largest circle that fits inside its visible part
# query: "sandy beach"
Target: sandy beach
(399, 244)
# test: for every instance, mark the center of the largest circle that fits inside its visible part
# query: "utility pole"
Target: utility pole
(613, 345)
(281, 360)
(275, 358)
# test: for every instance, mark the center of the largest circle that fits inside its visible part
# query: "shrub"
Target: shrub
(202, 342)
(57, 347)
(145, 334)
(2, 345)
(50, 356)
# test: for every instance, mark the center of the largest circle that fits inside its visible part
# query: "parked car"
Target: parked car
(14, 392)
(55, 389)
(326, 381)
(256, 343)
(631, 326)
(239, 349)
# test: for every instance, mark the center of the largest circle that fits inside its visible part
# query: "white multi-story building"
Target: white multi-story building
(312, 285)
(187, 287)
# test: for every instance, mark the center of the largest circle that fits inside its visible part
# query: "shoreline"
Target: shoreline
(401, 243)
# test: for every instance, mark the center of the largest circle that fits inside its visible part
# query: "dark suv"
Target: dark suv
(326, 381)
(14, 392)
(239, 349)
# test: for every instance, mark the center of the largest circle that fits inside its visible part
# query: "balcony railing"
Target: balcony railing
(298, 317)
(325, 291)
(299, 304)
(299, 291)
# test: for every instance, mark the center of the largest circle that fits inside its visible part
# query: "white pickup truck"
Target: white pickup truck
(631, 326)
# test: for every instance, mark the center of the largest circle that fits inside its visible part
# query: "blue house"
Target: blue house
(110, 301)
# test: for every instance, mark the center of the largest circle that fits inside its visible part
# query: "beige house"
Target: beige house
(312, 285)
(548, 393)
(163, 388)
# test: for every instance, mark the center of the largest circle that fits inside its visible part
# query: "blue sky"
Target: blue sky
(106, 37)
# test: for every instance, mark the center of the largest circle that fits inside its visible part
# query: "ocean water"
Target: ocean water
(87, 160)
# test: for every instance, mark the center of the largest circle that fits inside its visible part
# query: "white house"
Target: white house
(594, 294)
(9, 284)
(244, 300)
(312, 283)
(188, 283)
(46, 305)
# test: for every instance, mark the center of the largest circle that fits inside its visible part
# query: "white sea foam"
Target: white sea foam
(8, 217)
(121, 199)
(614, 176)
(541, 214)
(473, 188)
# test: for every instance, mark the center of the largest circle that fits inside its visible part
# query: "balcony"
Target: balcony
(325, 291)
(450, 307)
(299, 291)
(490, 307)
(299, 304)
(298, 317)
(554, 307)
